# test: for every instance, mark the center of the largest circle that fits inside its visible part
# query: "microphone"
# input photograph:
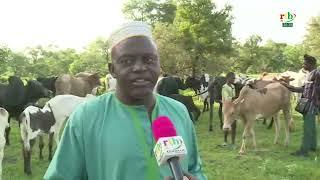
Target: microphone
(169, 148)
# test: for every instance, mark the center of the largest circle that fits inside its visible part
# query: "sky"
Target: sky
(76, 23)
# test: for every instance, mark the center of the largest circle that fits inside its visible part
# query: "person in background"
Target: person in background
(228, 94)
(311, 91)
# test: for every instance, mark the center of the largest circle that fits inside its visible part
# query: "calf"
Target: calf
(252, 103)
(48, 120)
(4, 116)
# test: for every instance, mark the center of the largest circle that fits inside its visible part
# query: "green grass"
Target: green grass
(268, 162)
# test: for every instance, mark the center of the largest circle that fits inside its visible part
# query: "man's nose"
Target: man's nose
(139, 65)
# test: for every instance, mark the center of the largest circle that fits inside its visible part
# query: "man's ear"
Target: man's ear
(111, 69)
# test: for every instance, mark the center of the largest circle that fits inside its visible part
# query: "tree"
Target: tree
(312, 39)
(294, 56)
(274, 58)
(249, 55)
(174, 59)
(50, 60)
(93, 59)
(5, 54)
(203, 30)
(151, 11)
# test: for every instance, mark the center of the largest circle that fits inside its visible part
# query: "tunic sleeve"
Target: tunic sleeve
(68, 162)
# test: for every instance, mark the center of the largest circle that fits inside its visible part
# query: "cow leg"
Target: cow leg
(243, 145)
(264, 121)
(211, 114)
(204, 106)
(287, 117)
(220, 115)
(50, 145)
(1, 158)
(244, 135)
(277, 128)
(41, 145)
(226, 136)
(253, 135)
(196, 112)
(7, 135)
(233, 131)
(206, 103)
(56, 137)
(7, 132)
(271, 123)
(27, 157)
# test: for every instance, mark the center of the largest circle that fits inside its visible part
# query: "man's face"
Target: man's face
(231, 79)
(307, 66)
(135, 65)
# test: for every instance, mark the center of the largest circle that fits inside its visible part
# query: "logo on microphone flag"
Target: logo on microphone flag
(168, 147)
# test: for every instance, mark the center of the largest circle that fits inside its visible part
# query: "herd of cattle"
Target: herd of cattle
(263, 97)
(18, 100)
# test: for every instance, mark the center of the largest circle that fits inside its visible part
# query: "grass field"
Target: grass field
(268, 162)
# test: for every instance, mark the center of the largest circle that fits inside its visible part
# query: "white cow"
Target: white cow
(4, 115)
(110, 82)
(61, 106)
(50, 119)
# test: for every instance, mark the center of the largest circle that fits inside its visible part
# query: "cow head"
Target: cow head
(193, 83)
(94, 80)
(180, 83)
(48, 83)
(35, 91)
(230, 112)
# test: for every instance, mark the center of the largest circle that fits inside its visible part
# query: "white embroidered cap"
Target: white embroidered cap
(127, 30)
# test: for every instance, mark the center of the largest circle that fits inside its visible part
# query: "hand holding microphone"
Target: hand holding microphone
(169, 148)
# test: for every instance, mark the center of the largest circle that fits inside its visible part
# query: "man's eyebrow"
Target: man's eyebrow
(142, 54)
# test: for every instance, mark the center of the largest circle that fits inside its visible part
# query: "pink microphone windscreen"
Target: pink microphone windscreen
(163, 127)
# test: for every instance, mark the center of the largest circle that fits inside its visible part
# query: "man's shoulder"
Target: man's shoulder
(94, 104)
(91, 109)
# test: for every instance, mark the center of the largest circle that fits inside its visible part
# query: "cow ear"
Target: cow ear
(291, 79)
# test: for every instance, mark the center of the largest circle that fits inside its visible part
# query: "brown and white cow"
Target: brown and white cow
(251, 103)
(78, 85)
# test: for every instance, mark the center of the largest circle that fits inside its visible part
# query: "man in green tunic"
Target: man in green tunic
(110, 137)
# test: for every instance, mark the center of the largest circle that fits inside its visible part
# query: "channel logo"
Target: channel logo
(287, 19)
